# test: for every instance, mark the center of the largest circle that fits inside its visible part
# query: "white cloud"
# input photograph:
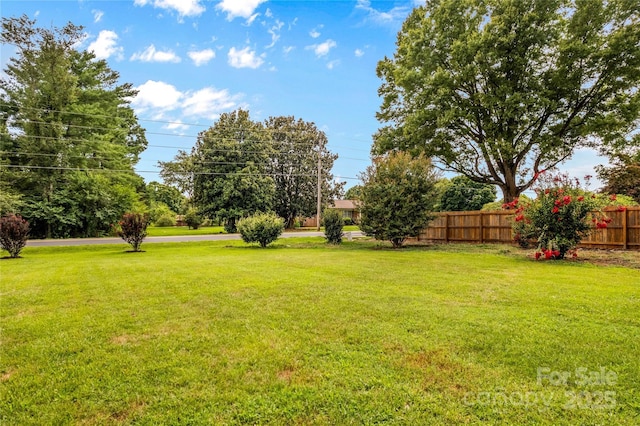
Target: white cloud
(275, 33)
(97, 15)
(238, 8)
(106, 45)
(315, 33)
(244, 58)
(287, 49)
(209, 103)
(176, 125)
(183, 7)
(359, 53)
(322, 49)
(331, 65)
(150, 54)
(251, 19)
(201, 57)
(397, 14)
(156, 95)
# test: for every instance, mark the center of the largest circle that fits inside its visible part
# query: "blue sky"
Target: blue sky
(192, 60)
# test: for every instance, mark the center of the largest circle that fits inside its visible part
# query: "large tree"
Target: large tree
(70, 139)
(500, 90)
(230, 162)
(293, 165)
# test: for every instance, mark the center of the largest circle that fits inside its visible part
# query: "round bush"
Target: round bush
(166, 220)
(13, 234)
(263, 228)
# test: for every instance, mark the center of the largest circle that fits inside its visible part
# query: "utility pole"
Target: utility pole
(319, 190)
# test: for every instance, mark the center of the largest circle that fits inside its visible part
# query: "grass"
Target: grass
(171, 231)
(305, 333)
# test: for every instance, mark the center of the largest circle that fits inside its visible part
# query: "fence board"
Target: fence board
(495, 226)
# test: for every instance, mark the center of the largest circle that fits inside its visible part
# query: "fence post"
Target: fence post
(446, 227)
(625, 231)
(481, 227)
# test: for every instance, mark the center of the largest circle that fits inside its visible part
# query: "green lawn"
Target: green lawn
(305, 333)
(170, 231)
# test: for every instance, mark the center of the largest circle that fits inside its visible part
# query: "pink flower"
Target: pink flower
(613, 197)
(581, 198)
(537, 255)
(555, 210)
(622, 208)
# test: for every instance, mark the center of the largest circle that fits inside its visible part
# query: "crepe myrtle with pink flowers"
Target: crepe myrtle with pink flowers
(561, 215)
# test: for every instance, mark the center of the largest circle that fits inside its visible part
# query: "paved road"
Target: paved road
(174, 239)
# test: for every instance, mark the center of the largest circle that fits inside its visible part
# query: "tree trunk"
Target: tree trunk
(509, 194)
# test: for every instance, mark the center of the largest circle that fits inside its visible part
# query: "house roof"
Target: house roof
(344, 204)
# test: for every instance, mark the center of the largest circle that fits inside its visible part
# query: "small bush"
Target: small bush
(193, 219)
(333, 224)
(263, 228)
(13, 234)
(562, 214)
(166, 220)
(133, 229)
(348, 221)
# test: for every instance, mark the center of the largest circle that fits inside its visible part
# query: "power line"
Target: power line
(262, 129)
(233, 150)
(85, 169)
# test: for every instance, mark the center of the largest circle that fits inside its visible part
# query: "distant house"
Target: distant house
(348, 208)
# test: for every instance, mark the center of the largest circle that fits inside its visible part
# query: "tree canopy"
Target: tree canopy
(69, 138)
(500, 90)
(463, 194)
(239, 167)
(296, 146)
(230, 169)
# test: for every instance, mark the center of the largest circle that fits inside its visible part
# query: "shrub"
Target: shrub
(193, 219)
(333, 224)
(158, 210)
(13, 234)
(398, 197)
(562, 214)
(133, 229)
(263, 228)
(166, 220)
(348, 221)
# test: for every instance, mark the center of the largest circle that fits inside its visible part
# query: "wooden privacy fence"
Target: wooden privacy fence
(495, 227)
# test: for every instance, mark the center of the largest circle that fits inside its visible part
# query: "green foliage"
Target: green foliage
(69, 117)
(501, 90)
(333, 224)
(293, 166)
(561, 215)
(14, 231)
(263, 228)
(463, 194)
(168, 195)
(398, 196)
(353, 193)
(193, 219)
(157, 210)
(133, 229)
(165, 220)
(623, 177)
